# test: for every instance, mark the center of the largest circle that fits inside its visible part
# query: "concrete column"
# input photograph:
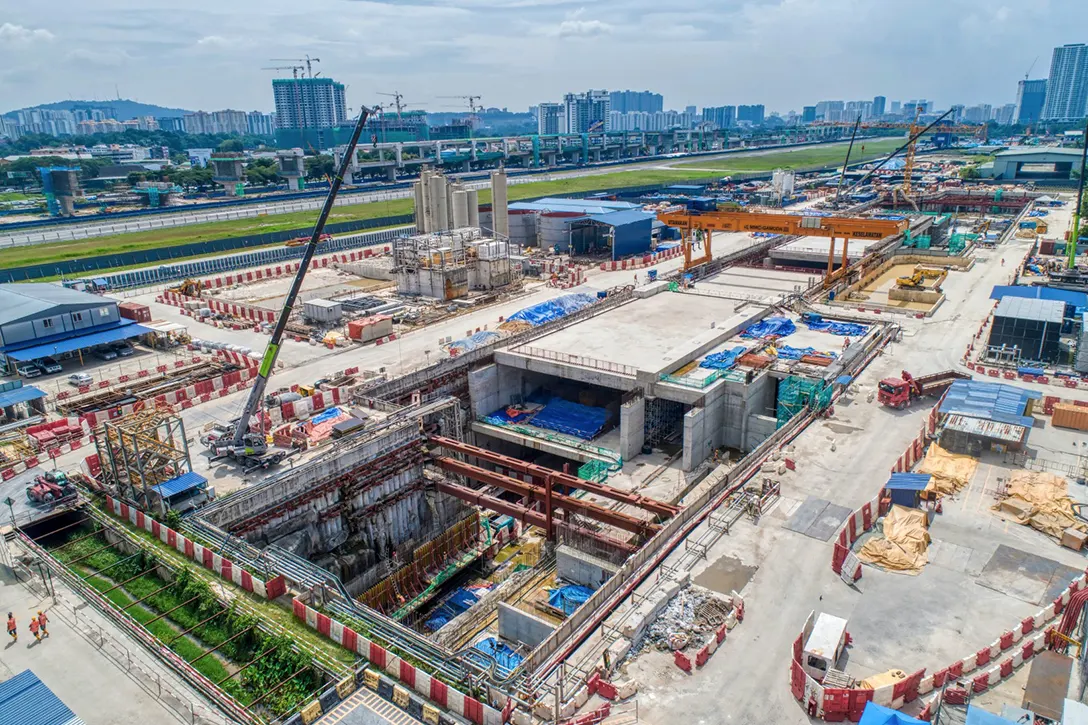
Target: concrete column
(500, 220)
(695, 443)
(472, 201)
(632, 427)
(391, 173)
(399, 150)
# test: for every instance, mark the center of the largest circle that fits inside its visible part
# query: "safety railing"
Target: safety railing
(580, 360)
(733, 376)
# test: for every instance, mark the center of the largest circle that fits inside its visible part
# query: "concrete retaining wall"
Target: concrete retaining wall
(518, 626)
(581, 568)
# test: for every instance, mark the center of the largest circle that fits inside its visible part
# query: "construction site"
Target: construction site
(487, 481)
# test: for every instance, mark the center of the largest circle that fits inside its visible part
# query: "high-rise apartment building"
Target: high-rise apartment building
(172, 123)
(1030, 97)
(896, 108)
(752, 114)
(587, 111)
(633, 101)
(808, 114)
(1004, 114)
(260, 124)
(551, 119)
(830, 110)
(721, 116)
(309, 103)
(978, 114)
(879, 103)
(1067, 87)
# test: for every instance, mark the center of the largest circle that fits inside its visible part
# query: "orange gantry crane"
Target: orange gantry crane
(835, 227)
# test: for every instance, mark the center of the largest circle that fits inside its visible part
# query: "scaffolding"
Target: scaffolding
(664, 421)
(446, 265)
(140, 451)
(797, 393)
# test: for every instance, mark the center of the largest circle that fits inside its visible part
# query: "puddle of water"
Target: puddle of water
(727, 574)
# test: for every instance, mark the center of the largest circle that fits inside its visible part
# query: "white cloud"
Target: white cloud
(19, 34)
(573, 26)
(214, 41)
(112, 58)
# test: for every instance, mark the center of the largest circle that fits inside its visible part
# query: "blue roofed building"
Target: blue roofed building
(600, 227)
(978, 415)
(41, 319)
(24, 699)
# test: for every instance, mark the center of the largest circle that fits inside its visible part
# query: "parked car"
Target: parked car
(49, 365)
(28, 369)
(105, 353)
(122, 348)
(80, 379)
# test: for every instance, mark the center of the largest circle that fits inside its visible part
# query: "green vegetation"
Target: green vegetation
(186, 616)
(829, 155)
(269, 611)
(19, 196)
(801, 159)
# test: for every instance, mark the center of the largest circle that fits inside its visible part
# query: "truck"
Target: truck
(900, 392)
(824, 645)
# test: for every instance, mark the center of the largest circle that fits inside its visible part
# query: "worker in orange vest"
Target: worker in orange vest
(42, 622)
(11, 628)
(34, 629)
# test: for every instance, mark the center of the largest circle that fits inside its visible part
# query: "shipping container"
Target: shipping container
(1067, 415)
(135, 311)
(370, 328)
(322, 310)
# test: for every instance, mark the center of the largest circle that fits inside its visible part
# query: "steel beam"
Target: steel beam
(539, 493)
(521, 513)
(541, 473)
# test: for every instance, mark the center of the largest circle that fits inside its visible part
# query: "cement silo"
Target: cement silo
(472, 200)
(420, 189)
(460, 209)
(439, 209)
(500, 221)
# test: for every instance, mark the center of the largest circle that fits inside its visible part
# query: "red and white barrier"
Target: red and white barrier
(410, 676)
(200, 392)
(275, 587)
(299, 409)
(646, 260)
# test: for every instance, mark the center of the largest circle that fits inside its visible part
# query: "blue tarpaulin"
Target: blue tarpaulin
(563, 416)
(506, 658)
(723, 360)
(770, 328)
(879, 715)
(796, 353)
(845, 329)
(474, 341)
(553, 309)
(568, 597)
(978, 716)
(459, 601)
(327, 414)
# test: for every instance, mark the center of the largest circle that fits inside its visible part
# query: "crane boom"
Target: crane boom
(256, 394)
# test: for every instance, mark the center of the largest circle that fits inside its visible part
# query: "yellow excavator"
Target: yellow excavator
(921, 274)
(189, 288)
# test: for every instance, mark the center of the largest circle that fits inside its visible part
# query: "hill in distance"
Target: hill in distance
(123, 109)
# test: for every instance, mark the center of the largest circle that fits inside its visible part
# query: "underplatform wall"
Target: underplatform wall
(578, 567)
(724, 417)
(518, 626)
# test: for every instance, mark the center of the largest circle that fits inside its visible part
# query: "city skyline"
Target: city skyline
(84, 51)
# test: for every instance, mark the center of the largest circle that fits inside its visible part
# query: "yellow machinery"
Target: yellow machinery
(921, 274)
(700, 226)
(189, 288)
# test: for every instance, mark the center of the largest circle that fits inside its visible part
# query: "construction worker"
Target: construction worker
(34, 627)
(1002, 261)
(11, 628)
(42, 622)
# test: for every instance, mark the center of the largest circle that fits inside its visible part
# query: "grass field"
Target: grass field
(829, 155)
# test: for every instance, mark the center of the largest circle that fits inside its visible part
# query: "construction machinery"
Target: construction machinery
(50, 487)
(235, 440)
(188, 288)
(700, 226)
(299, 241)
(918, 278)
(900, 392)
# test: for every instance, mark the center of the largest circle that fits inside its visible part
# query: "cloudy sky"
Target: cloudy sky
(209, 54)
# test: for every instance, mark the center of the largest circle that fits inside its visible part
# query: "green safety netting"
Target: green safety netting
(796, 393)
(595, 471)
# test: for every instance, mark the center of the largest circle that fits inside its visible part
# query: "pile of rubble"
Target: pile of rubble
(690, 619)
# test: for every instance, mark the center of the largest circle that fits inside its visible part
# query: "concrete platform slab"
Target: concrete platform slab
(640, 334)
(1029, 577)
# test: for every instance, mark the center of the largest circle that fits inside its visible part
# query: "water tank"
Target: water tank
(555, 228)
(522, 226)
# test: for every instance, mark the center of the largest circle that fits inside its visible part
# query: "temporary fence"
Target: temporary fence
(123, 378)
(283, 270)
(864, 518)
(407, 674)
(236, 310)
(271, 589)
(646, 260)
(984, 668)
(184, 398)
